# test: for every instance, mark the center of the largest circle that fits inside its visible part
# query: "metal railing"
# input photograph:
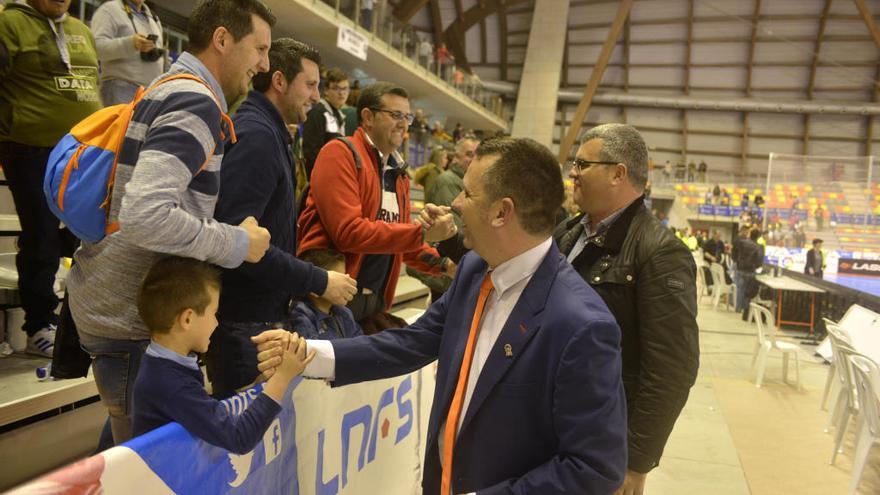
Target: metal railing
(378, 21)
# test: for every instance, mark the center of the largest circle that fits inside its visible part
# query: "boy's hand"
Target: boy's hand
(270, 347)
(295, 358)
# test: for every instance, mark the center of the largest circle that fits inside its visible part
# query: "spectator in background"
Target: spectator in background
(325, 120)
(748, 256)
(691, 171)
(713, 248)
(161, 206)
(359, 203)
(648, 281)
(353, 94)
(48, 82)
(819, 216)
(457, 132)
(427, 174)
(420, 136)
(444, 60)
(317, 317)
(680, 170)
(667, 171)
(451, 182)
(367, 14)
(702, 168)
(255, 181)
(716, 194)
(815, 265)
(425, 51)
(130, 44)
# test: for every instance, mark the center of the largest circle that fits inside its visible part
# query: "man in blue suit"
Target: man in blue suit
(529, 355)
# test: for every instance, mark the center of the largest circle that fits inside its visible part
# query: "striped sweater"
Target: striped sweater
(163, 203)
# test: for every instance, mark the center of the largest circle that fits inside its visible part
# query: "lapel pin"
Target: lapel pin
(522, 328)
(508, 350)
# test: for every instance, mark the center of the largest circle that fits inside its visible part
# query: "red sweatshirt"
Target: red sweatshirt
(341, 212)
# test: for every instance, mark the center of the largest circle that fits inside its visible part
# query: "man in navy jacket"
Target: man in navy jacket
(539, 406)
(257, 180)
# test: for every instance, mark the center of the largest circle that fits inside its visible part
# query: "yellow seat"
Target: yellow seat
(736, 203)
(756, 191)
(847, 209)
(678, 187)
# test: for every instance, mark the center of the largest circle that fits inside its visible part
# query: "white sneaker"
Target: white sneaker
(42, 343)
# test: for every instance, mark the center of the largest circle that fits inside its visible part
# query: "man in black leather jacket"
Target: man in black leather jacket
(646, 276)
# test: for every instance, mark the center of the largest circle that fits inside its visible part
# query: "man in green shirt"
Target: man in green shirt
(48, 83)
(450, 183)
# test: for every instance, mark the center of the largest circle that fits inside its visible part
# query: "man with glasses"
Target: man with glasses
(646, 277)
(359, 204)
(450, 183)
(325, 121)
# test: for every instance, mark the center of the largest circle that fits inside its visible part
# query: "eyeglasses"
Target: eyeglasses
(582, 164)
(396, 115)
(339, 89)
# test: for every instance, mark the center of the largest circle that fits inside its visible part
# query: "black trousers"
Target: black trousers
(41, 242)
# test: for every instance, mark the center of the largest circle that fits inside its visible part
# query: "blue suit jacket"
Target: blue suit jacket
(551, 419)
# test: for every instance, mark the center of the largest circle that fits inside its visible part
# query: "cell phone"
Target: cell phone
(153, 37)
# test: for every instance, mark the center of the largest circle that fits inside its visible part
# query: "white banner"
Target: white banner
(352, 42)
(360, 439)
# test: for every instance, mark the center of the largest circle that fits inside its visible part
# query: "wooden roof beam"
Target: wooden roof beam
(595, 78)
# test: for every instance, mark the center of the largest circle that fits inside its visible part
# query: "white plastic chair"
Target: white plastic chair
(867, 381)
(830, 383)
(767, 342)
(720, 287)
(703, 287)
(846, 399)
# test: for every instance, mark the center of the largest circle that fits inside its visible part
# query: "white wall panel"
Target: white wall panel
(519, 21)
(657, 139)
(846, 26)
(850, 8)
(516, 55)
(786, 28)
(658, 10)
(794, 51)
(776, 123)
(589, 14)
(515, 39)
(837, 125)
(720, 53)
(725, 77)
(792, 7)
(780, 76)
(844, 76)
(472, 43)
(658, 76)
(658, 32)
(715, 121)
(776, 95)
(727, 144)
(766, 145)
(652, 117)
(848, 51)
(718, 29)
(657, 54)
(825, 148)
(493, 47)
(843, 96)
(712, 8)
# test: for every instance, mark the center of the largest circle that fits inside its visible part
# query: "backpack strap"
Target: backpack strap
(350, 145)
(141, 93)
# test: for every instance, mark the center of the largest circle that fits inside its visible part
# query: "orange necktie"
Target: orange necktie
(461, 386)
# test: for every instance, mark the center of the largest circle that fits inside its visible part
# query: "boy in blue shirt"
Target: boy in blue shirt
(318, 318)
(178, 301)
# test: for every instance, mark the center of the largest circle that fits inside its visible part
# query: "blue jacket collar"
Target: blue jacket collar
(258, 102)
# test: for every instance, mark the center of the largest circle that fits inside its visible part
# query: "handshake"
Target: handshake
(437, 223)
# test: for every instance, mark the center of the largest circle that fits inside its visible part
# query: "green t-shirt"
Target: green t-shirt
(40, 98)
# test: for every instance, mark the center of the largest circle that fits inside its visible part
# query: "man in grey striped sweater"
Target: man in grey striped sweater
(164, 194)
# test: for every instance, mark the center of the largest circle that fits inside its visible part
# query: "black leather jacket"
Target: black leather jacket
(647, 277)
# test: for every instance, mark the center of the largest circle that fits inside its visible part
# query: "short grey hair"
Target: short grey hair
(622, 143)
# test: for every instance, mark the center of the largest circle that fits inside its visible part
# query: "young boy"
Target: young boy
(178, 301)
(316, 317)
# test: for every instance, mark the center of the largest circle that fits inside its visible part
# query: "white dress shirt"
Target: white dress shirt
(509, 280)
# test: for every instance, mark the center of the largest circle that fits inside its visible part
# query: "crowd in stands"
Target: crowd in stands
(231, 240)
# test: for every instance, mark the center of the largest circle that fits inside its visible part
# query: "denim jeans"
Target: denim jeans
(115, 366)
(116, 91)
(743, 279)
(41, 242)
(231, 360)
